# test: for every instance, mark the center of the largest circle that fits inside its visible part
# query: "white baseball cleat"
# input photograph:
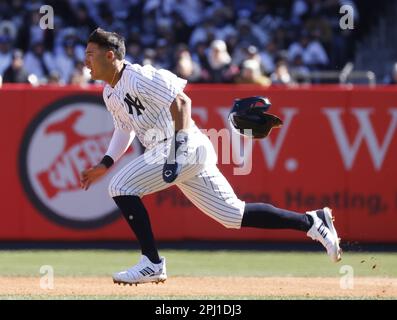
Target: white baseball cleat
(143, 272)
(323, 230)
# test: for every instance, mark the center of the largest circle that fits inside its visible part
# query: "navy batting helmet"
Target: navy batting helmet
(249, 117)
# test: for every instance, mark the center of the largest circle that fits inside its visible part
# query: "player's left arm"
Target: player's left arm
(181, 111)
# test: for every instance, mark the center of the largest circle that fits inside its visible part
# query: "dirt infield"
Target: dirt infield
(203, 286)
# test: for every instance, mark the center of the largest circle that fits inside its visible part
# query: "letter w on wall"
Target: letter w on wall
(365, 133)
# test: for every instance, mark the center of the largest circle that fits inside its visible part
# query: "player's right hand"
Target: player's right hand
(92, 174)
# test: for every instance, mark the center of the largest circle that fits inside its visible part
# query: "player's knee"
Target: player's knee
(113, 190)
(116, 187)
(232, 226)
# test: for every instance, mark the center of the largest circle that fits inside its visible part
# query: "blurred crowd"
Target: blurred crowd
(203, 41)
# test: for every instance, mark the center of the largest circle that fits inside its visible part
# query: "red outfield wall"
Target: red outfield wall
(338, 147)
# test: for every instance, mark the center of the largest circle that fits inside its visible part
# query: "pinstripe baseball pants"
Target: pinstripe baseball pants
(200, 179)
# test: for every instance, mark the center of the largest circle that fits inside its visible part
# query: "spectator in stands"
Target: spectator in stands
(83, 22)
(253, 54)
(250, 33)
(106, 17)
(245, 51)
(266, 25)
(191, 12)
(163, 54)
(166, 33)
(9, 29)
(179, 29)
(231, 41)
(267, 20)
(281, 38)
(223, 18)
(54, 78)
(392, 78)
(12, 10)
(281, 74)
(134, 52)
(203, 33)
(298, 10)
(31, 32)
(267, 57)
(251, 73)
(312, 52)
(81, 75)
(320, 28)
(16, 72)
(5, 53)
(39, 62)
(186, 68)
(299, 71)
(148, 30)
(221, 69)
(149, 57)
(240, 53)
(201, 58)
(66, 61)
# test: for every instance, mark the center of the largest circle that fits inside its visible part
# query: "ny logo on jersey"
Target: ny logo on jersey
(134, 102)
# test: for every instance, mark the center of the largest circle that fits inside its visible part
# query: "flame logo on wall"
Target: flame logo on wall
(65, 138)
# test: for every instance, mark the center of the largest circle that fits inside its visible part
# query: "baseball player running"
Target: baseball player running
(151, 105)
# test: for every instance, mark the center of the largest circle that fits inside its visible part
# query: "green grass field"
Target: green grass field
(199, 263)
(102, 263)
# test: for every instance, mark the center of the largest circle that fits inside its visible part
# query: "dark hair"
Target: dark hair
(108, 40)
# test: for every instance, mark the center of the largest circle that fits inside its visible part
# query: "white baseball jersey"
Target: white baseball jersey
(140, 102)
(140, 105)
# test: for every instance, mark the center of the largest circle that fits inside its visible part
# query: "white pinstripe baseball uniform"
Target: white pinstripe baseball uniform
(140, 105)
